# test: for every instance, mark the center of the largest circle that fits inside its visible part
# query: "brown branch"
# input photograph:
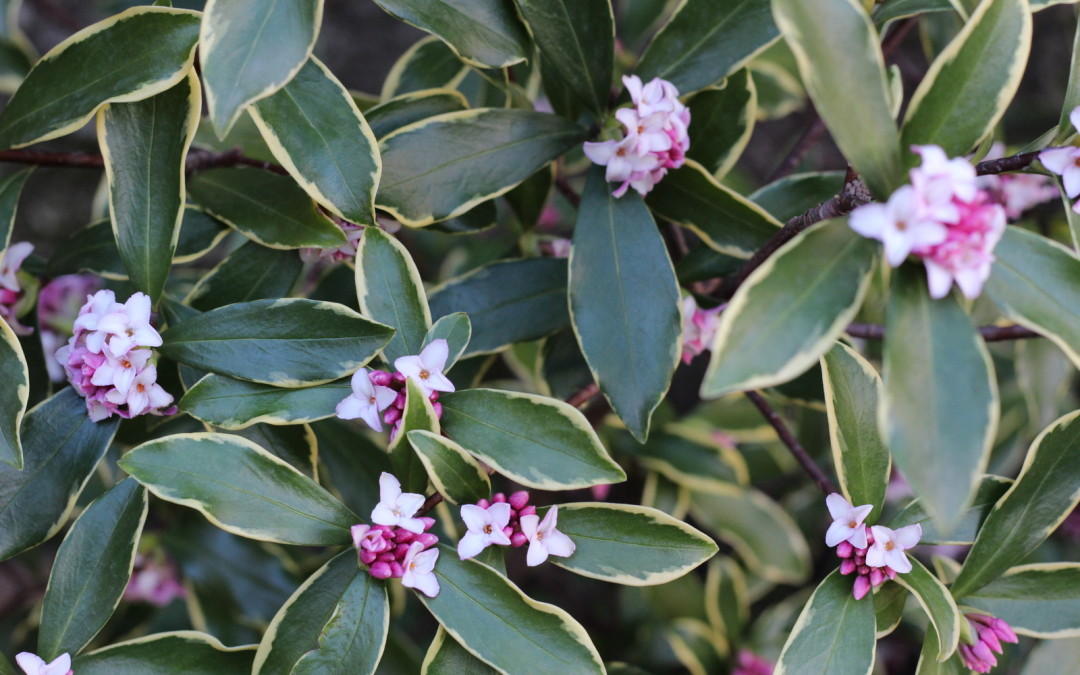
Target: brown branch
(584, 395)
(896, 37)
(869, 331)
(788, 439)
(197, 160)
(1014, 163)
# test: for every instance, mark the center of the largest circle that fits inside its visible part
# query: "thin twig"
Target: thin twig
(197, 160)
(896, 37)
(788, 439)
(584, 395)
(869, 331)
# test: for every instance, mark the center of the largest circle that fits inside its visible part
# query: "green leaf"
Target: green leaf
(577, 40)
(390, 291)
(317, 133)
(990, 491)
(336, 622)
(494, 620)
(445, 165)
(110, 62)
(484, 33)
(428, 64)
(1040, 600)
(689, 459)
(289, 342)
(251, 272)
(446, 657)
(764, 535)
(187, 652)
(790, 310)
(938, 604)
(537, 441)
(983, 63)
(929, 665)
(265, 207)
(1034, 282)
(721, 121)
(419, 414)
(10, 190)
(1065, 128)
(294, 443)
(452, 470)
(852, 392)
(624, 302)
(235, 404)
(1045, 492)
(706, 40)
(630, 545)
(846, 80)
(727, 604)
(61, 448)
(507, 302)
(91, 570)
(144, 145)
(456, 329)
(241, 488)
(1046, 657)
(413, 107)
(834, 634)
(889, 603)
(901, 9)
(726, 221)
(940, 409)
(795, 194)
(248, 49)
(13, 395)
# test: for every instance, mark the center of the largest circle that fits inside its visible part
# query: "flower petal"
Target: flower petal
(435, 354)
(472, 544)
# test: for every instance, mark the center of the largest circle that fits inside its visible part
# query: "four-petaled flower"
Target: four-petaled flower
(847, 521)
(901, 224)
(889, 546)
(485, 528)
(129, 326)
(32, 664)
(1065, 161)
(426, 368)
(544, 539)
(396, 507)
(366, 401)
(419, 565)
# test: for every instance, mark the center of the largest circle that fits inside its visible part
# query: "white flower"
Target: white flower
(144, 394)
(396, 507)
(485, 528)
(366, 400)
(426, 368)
(1064, 162)
(847, 521)
(129, 326)
(544, 539)
(10, 262)
(889, 546)
(939, 178)
(32, 664)
(419, 569)
(120, 372)
(899, 224)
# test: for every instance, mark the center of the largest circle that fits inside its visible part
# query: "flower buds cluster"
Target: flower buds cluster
(990, 633)
(853, 560)
(153, 580)
(347, 251)
(57, 308)
(655, 137)
(11, 291)
(384, 547)
(699, 327)
(873, 553)
(512, 522)
(108, 360)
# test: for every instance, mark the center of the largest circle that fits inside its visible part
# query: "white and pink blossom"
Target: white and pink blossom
(366, 401)
(544, 539)
(11, 291)
(426, 368)
(486, 527)
(420, 570)
(32, 664)
(847, 522)
(889, 546)
(397, 508)
(902, 224)
(699, 327)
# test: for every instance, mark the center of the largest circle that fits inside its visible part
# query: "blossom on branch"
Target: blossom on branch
(32, 664)
(847, 522)
(486, 527)
(426, 368)
(889, 546)
(366, 401)
(698, 327)
(419, 570)
(544, 539)
(990, 633)
(397, 508)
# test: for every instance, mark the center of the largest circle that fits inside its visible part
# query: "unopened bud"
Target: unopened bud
(529, 510)
(483, 503)
(386, 556)
(877, 577)
(434, 396)
(508, 531)
(380, 378)
(367, 557)
(847, 567)
(399, 402)
(401, 535)
(381, 570)
(519, 499)
(862, 587)
(398, 378)
(844, 549)
(428, 522)
(498, 498)
(400, 551)
(396, 570)
(437, 407)
(863, 570)
(391, 416)
(427, 539)
(518, 539)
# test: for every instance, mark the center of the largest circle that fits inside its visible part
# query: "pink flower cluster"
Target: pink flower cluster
(11, 292)
(655, 137)
(698, 326)
(875, 553)
(153, 580)
(512, 522)
(1016, 192)
(58, 306)
(1065, 162)
(749, 663)
(107, 360)
(990, 632)
(942, 217)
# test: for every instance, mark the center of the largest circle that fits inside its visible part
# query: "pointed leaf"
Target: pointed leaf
(452, 470)
(456, 329)
(390, 291)
(889, 601)
(251, 272)
(185, 652)
(10, 190)
(236, 404)
(727, 602)
(721, 121)
(990, 491)
(446, 657)
(834, 634)
(1040, 600)
(91, 570)
(790, 310)
(419, 414)
(294, 443)
(428, 64)
(937, 603)
(413, 107)
(241, 488)
(250, 48)
(13, 395)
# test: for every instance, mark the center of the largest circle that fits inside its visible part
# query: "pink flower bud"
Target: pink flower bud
(399, 402)
(508, 531)
(863, 570)
(380, 378)
(987, 637)
(434, 396)
(380, 570)
(529, 510)
(427, 539)
(869, 536)
(847, 566)
(386, 557)
(392, 415)
(498, 498)
(483, 503)
(398, 378)
(600, 492)
(519, 499)
(890, 572)
(428, 522)
(401, 535)
(367, 557)
(400, 551)
(983, 653)
(437, 407)
(396, 570)
(862, 587)
(518, 539)
(1003, 630)
(877, 577)
(844, 549)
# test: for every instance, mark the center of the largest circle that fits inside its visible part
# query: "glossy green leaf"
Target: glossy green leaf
(695, 646)
(494, 620)
(706, 40)
(10, 190)
(1040, 600)
(940, 409)
(317, 133)
(248, 49)
(624, 302)
(15, 63)
(630, 545)
(452, 470)
(251, 272)
(938, 604)
(537, 441)
(145, 145)
(419, 414)
(265, 207)
(721, 121)
(726, 221)
(443, 166)
(507, 302)
(797, 193)
(790, 310)
(766, 538)
(990, 491)
(846, 80)
(390, 291)
(484, 33)
(1034, 282)
(834, 634)
(456, 329)
(336, 622)
(1045, 492)
(241, 488)
(353, 461)
(289, 342)
(576, 38)
(889, 601)
(428, 64)
(294, 443)
(686, 458)
(852, 393)
(928, 663)
(187, 652)
(111, 63)
(446, 657)
(413, 107)
(901, 9)
(91, 570)
(61, 448)
(13, 396)
(983, 64)
(236, 404)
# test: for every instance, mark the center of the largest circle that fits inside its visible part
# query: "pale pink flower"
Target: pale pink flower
(648, 133)
(419, 567)
(129, 326)
(347, 251)
(966, 255)
(144, 395)
(396, 507)
(656, 96)
(699, 327)
(624, 165)
(1064, 162)
(153, 581)
(32, 664)
(889, 546)
(1021, 191)
(426, 368)
(10, 262)
(901, 224)
(485, 528)
(939, 179)
(120, 372)
(847, 522)
(366, 400)
(544, 539)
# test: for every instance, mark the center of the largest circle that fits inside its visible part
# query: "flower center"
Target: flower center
(371, 400)
(889, 546)
(424, 374)
(901, 225)
(141, 388)
(126, 364)
(487, 529)
(853, 524)
(539, 536)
